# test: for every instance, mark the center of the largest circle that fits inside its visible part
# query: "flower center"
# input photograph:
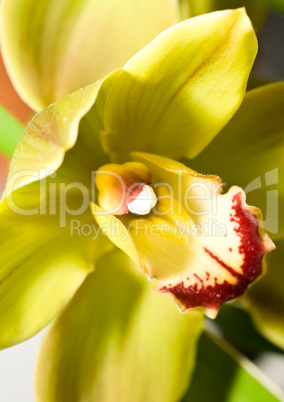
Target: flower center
(125, 188)
(144, 202)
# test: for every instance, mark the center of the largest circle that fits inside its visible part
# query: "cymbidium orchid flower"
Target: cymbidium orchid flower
(96, 172)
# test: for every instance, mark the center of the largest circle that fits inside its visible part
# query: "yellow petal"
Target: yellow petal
(52, 48)
(44, 257)
(75, 119)
(127, 343)
(175, 95)
(47, 137)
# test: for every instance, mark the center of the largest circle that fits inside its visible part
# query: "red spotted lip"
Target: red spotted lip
(252, 247)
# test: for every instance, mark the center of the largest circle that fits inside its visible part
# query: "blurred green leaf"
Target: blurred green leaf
(267, 298)
(256, 9)
(237, 327)
(11, 131)
(223, 375)
(277, 5)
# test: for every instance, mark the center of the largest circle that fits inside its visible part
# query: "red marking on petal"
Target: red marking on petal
(251, 247)
(214, 257)
(252, 244)
(197, 277)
